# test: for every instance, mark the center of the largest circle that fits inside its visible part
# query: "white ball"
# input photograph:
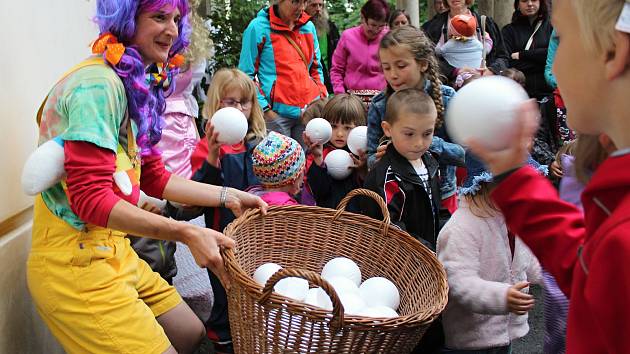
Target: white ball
(357, 140)
(485, 110)
(292, 287)
(318, 297)
(379, 291)
(264, 272)
(352, 303)
(44, 167)
(342, 267)
(343, 286)
(338, 163)
(231, 124)
(378, 311)
(318, 130)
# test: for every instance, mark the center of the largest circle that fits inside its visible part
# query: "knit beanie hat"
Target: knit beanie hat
(463, 26)
(277, 160)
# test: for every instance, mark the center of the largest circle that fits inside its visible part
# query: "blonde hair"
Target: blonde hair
(345, 109)
(423, 50)
(200, 42)
(589, 154)
(314, 110)
(228, 79)
(480, 203)
(596, 22)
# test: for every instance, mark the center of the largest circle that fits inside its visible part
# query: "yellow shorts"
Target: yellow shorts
(93, 291)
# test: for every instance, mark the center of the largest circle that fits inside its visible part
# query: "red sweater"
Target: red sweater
(89, 170)
(597, 282)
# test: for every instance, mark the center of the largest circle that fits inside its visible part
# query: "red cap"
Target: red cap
(463, 25)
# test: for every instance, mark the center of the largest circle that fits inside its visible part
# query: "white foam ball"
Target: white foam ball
(342, 267)
(338, 163)
(485, 110)
(44, 167)
(352, 303)
(378, 311)
(292, 287)
(343, 286)
(379, 291)
(318, 130)
(357, 140)
(264, 272)
(231, 124)
(318, 297)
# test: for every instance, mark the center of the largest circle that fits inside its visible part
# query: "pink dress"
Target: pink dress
(179, 135)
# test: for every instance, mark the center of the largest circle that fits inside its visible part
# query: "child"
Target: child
(408, 61)
(229, 166)
(487, 268)
(406, 176)
(587, 252)
(515, 75)
(463, 49)
(343, 112)
(278, 163)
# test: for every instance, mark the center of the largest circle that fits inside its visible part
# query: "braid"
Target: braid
(436, 92)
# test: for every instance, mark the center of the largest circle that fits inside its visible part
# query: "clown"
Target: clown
(88, 285)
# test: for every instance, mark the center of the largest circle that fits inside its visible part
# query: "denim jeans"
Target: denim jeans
(291, 127)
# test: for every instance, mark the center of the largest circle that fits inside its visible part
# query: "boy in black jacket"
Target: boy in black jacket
(407, 175)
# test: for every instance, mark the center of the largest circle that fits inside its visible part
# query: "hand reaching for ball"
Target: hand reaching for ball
(314, 149)
(213, 145)
(514, 155)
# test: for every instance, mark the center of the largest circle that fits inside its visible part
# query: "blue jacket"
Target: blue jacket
(448, 154)
(288, 79)
(551, 55)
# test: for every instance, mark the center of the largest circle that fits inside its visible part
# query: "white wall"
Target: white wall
(41, 40)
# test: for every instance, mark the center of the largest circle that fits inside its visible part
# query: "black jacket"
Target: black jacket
(333, 39)
(531, 62)
(395, 179)
(328, 192)
(496, 60)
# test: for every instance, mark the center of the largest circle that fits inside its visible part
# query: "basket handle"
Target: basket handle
(338, 318)
(366, 193)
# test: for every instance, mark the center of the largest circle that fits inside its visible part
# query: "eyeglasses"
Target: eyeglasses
(230, 102)
(373, 25)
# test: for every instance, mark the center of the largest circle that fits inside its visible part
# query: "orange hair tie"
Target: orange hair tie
(177, 61)
(108, 43)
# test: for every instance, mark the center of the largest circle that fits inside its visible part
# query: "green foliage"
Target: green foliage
(228, 19)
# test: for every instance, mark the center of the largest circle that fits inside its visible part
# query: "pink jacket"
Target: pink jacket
(355, 63)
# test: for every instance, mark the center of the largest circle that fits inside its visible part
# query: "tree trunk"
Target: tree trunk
(503, 11)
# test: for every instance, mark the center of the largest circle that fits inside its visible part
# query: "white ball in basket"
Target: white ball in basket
(378, 311)
(352, 303)
(357, 140)
(342, 267)
(343, 286)
(485, 110)
(292, 287)
(338, 163)
(379, 291)
(231, 124)
(318, 130)
(264, 272)
(318, 297)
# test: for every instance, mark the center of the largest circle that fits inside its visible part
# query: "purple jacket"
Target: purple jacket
(355, 63)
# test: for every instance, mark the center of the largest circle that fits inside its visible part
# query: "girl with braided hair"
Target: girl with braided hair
(88, 285)
(408, 60)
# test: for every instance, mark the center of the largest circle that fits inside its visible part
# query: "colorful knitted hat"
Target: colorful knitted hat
(463, 26)
(277, 160)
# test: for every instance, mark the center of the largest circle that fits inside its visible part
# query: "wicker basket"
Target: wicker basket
(302, 239)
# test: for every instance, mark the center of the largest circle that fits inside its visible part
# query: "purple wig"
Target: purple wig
(145, 104)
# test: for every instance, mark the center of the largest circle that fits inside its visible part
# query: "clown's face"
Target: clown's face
(155, 33)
